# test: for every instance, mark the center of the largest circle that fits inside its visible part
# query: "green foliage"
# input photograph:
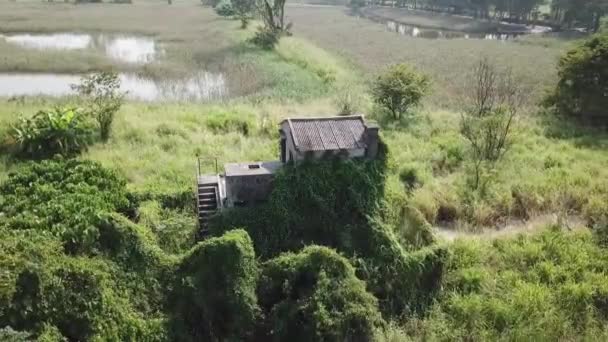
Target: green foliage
(63, 131)
(214, 297)
(551, 286)
(50, 333)
(399, 88)
(225, 8)
(583, 81)
(314, 295)
(104, 99)
(330, 203)
(243, 10)
(43, 287)
(265, 38)
(225, 122)
(64, 199)
(7, 334)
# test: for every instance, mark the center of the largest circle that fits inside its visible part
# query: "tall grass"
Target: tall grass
(549, 287)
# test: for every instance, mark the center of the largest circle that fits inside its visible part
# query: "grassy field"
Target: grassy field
(371, 48)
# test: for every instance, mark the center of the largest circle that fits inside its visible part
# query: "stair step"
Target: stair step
(206, 196)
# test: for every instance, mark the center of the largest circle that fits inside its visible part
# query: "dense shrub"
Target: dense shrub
(63, 131)
(42, 288)
(214, 297)
(314, 295)
(398, 89)
(583, 81)
(225, 9)
(266, 38)
(64, 199)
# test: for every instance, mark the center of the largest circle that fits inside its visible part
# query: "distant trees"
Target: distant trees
(493, 101)
(567, 13)
(398, 89)
(581, 13)
(582, 89)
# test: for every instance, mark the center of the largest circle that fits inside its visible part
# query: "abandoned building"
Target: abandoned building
(250, 183)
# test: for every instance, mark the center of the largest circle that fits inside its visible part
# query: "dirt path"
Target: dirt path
(513, 227)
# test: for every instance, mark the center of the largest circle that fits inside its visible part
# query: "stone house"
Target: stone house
(250, 183)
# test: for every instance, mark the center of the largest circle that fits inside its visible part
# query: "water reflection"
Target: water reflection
(413, 31)
(130, 49)
(204, 86)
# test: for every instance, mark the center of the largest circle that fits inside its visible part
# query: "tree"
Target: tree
(104, 99)
(399, 88)
(243, 10)
(583, 81)
(486, 123)
(274, 23)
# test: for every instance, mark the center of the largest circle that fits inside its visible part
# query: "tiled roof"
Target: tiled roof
(331, 133)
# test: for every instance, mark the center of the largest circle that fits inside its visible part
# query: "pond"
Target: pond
(414, 31)
(200, 87)
(120, 47)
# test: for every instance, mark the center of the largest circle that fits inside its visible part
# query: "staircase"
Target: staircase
(207, 205)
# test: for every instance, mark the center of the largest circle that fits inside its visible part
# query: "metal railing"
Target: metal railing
(200, 161)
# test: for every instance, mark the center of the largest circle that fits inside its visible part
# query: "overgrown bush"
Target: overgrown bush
(398, 89)
(225, 9)
(314, 295)
(65, 131)
(330, 203)
(266, 38)
(64, 199)
(45, 292)
(583, 81)
(214, 297)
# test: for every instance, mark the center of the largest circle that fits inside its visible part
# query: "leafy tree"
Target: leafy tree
(63, 131)
(214, 297)
(273, 15)
(399, 88)
(314, 295)
(583, 81)
(104, 99)
(487, 123)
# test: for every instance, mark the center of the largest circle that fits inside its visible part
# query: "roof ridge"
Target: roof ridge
(337, 117)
